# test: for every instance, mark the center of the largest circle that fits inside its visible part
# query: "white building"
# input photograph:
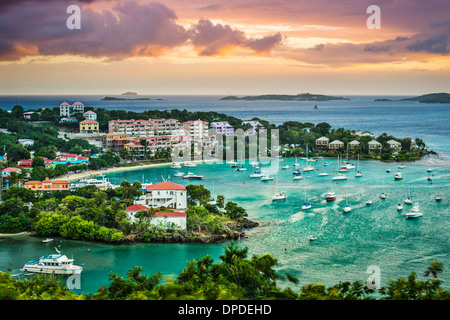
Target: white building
(374, 144)
(394, 145)
(353, 144)
(322, 142)
(222, 127)
(90, 115)
(66, 110)
(336, 144)
(255, 124)
(164, 194)
(177, 218)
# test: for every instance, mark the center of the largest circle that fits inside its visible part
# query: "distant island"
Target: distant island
(120, 99)
(129, 94)
(426, 98)
(287, 97)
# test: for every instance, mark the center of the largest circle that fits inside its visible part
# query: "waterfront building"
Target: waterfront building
(47, 185)
(394, 145)
(336, 144)
(66, 110)
(164, 194)
(89, 126)
(360, 134)
(322, 143)
(143, 128)
(374, 144)
(353, 144)
(108, 139)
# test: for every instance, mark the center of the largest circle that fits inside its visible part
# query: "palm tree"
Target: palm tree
(434, 268)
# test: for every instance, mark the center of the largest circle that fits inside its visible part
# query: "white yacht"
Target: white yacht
(369, 202)
(308, 168)
(279, 196)
(285, 167)
(399, 207)
(101, 184)
(398, 176)
(408, 200)
(192, 176)
(414, 213)
(190, 164)
(179, 174)
(340, 176)
(402, 166)
(55, 263)
(175, 165)
(257, 173)
(266, 178)
(438, 198)
(298, 177)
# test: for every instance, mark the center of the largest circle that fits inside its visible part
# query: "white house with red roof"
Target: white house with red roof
(164, 194)
(178, 217)
(90, 115)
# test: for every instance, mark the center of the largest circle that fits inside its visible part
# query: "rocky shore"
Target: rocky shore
(235, 230)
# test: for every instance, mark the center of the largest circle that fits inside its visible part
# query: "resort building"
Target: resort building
(374, 144)
(69, 119)
(353, 144)
(90, 115)
(177, 218)
(336, 144)
(66, 110)
(197, 129)
(108, 139)
(255, 125)
(222, 128)
(322, 143)
(394, 145)
(164, 194)
(145, 128)
(88, 126)
(47, 185)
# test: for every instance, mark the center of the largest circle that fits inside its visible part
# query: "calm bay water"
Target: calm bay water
(346, 243)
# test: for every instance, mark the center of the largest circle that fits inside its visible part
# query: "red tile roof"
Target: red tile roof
(136, 207)
(170, 214)
(165, 186)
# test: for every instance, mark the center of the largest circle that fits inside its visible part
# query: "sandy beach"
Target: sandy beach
(95, 173)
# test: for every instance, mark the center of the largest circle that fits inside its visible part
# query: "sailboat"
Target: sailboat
(383, 195)
(308, 167)
(339, 176)
(307, 205)
(322, 173)
(399, 207)
(408, 200)
(347, 207)
(278, 195)
(256, 173)
(414, 213)
(438, 198)
(358, 173)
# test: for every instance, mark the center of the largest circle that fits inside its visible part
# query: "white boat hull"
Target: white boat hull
(52, 270)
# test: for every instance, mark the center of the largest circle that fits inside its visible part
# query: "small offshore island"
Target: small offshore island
(285, 97)
(426, 98)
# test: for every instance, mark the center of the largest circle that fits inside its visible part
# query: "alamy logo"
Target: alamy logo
(73, 21)
(374, 280)
(74, 282)
(374, 21)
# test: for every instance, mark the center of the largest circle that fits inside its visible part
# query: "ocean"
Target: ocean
(347, 244)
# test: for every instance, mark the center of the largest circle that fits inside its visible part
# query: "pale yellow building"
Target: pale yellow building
(89, 126)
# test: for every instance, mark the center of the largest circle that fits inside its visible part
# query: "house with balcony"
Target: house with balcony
(322, 143)
(222, 127)
(373, 145)
(335, 145)
(66, 110)
(89, 126)
(164, 194)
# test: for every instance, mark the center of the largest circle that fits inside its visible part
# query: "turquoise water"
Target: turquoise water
(346, 245)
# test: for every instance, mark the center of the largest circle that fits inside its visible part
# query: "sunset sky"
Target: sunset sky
(224, 47)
